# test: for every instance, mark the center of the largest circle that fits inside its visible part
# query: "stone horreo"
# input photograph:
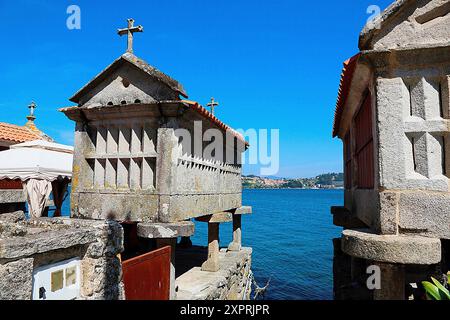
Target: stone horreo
(393, 116)
(147, 161)
(140, 158)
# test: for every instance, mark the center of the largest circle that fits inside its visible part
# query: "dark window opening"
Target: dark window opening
(125, 83)
(413, 149)
(410, 101)
(441, 103)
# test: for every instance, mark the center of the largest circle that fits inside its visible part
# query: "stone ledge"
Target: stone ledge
(33, 243)
(342, 217)
(35, 236)
(364, 244)
(242, 210)
(165, 230)
(220, 217)
(12, 217)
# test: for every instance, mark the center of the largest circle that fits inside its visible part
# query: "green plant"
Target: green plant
(435, 290)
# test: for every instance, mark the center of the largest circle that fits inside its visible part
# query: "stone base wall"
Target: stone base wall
(233, 281)
(237, 284)
(101, 268)
(143, 207)
(25, 246)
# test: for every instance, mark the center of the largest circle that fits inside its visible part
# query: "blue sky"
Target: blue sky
(271, 65)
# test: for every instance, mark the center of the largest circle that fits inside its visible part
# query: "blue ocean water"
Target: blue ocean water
(291, 234)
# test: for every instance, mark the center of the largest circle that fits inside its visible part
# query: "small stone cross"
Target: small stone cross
(212, 105)
(32, 107)
(129, 31)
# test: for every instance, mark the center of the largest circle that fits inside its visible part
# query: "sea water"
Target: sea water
(291, 232)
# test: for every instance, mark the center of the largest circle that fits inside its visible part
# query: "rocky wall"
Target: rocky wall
(27, 245)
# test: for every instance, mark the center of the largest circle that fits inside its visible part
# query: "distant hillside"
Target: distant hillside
(323, 181)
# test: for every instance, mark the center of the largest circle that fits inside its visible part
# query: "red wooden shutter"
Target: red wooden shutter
(364, 145)
(348, 161)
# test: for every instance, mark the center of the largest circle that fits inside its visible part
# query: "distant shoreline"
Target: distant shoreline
(324, 181)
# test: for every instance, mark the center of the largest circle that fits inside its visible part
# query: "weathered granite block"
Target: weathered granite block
(12, 216)
(233, 281)
(16, 279)
(29, 244)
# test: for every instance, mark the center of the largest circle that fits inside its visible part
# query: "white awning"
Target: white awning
(36, 160)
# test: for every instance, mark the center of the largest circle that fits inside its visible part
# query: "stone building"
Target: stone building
(146, 157)
(11, 134)
(393, 116)
(46, 258)
(11, 196)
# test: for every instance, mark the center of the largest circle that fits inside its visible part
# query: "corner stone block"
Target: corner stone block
(16, 280)
(387, 223)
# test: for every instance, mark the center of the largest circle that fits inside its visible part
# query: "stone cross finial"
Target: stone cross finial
(212, 105)
(32, 107)
(129, 31)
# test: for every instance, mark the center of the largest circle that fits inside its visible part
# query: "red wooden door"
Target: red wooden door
(147, 277)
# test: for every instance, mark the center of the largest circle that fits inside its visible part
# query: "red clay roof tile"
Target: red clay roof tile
(14, 133)
(200, 109)
(344, 89)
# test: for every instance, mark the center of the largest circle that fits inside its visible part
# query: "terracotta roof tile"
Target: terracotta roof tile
(13, 133)
(205, 113)
(344, 89)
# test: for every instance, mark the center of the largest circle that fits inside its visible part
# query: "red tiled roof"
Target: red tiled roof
(344, 89)
(208, 115)
(18, 134)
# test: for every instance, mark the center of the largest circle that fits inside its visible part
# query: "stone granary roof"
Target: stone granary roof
(129, 59)
(344, 89)
(137, 62)
(370, 29)
(17, 134)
